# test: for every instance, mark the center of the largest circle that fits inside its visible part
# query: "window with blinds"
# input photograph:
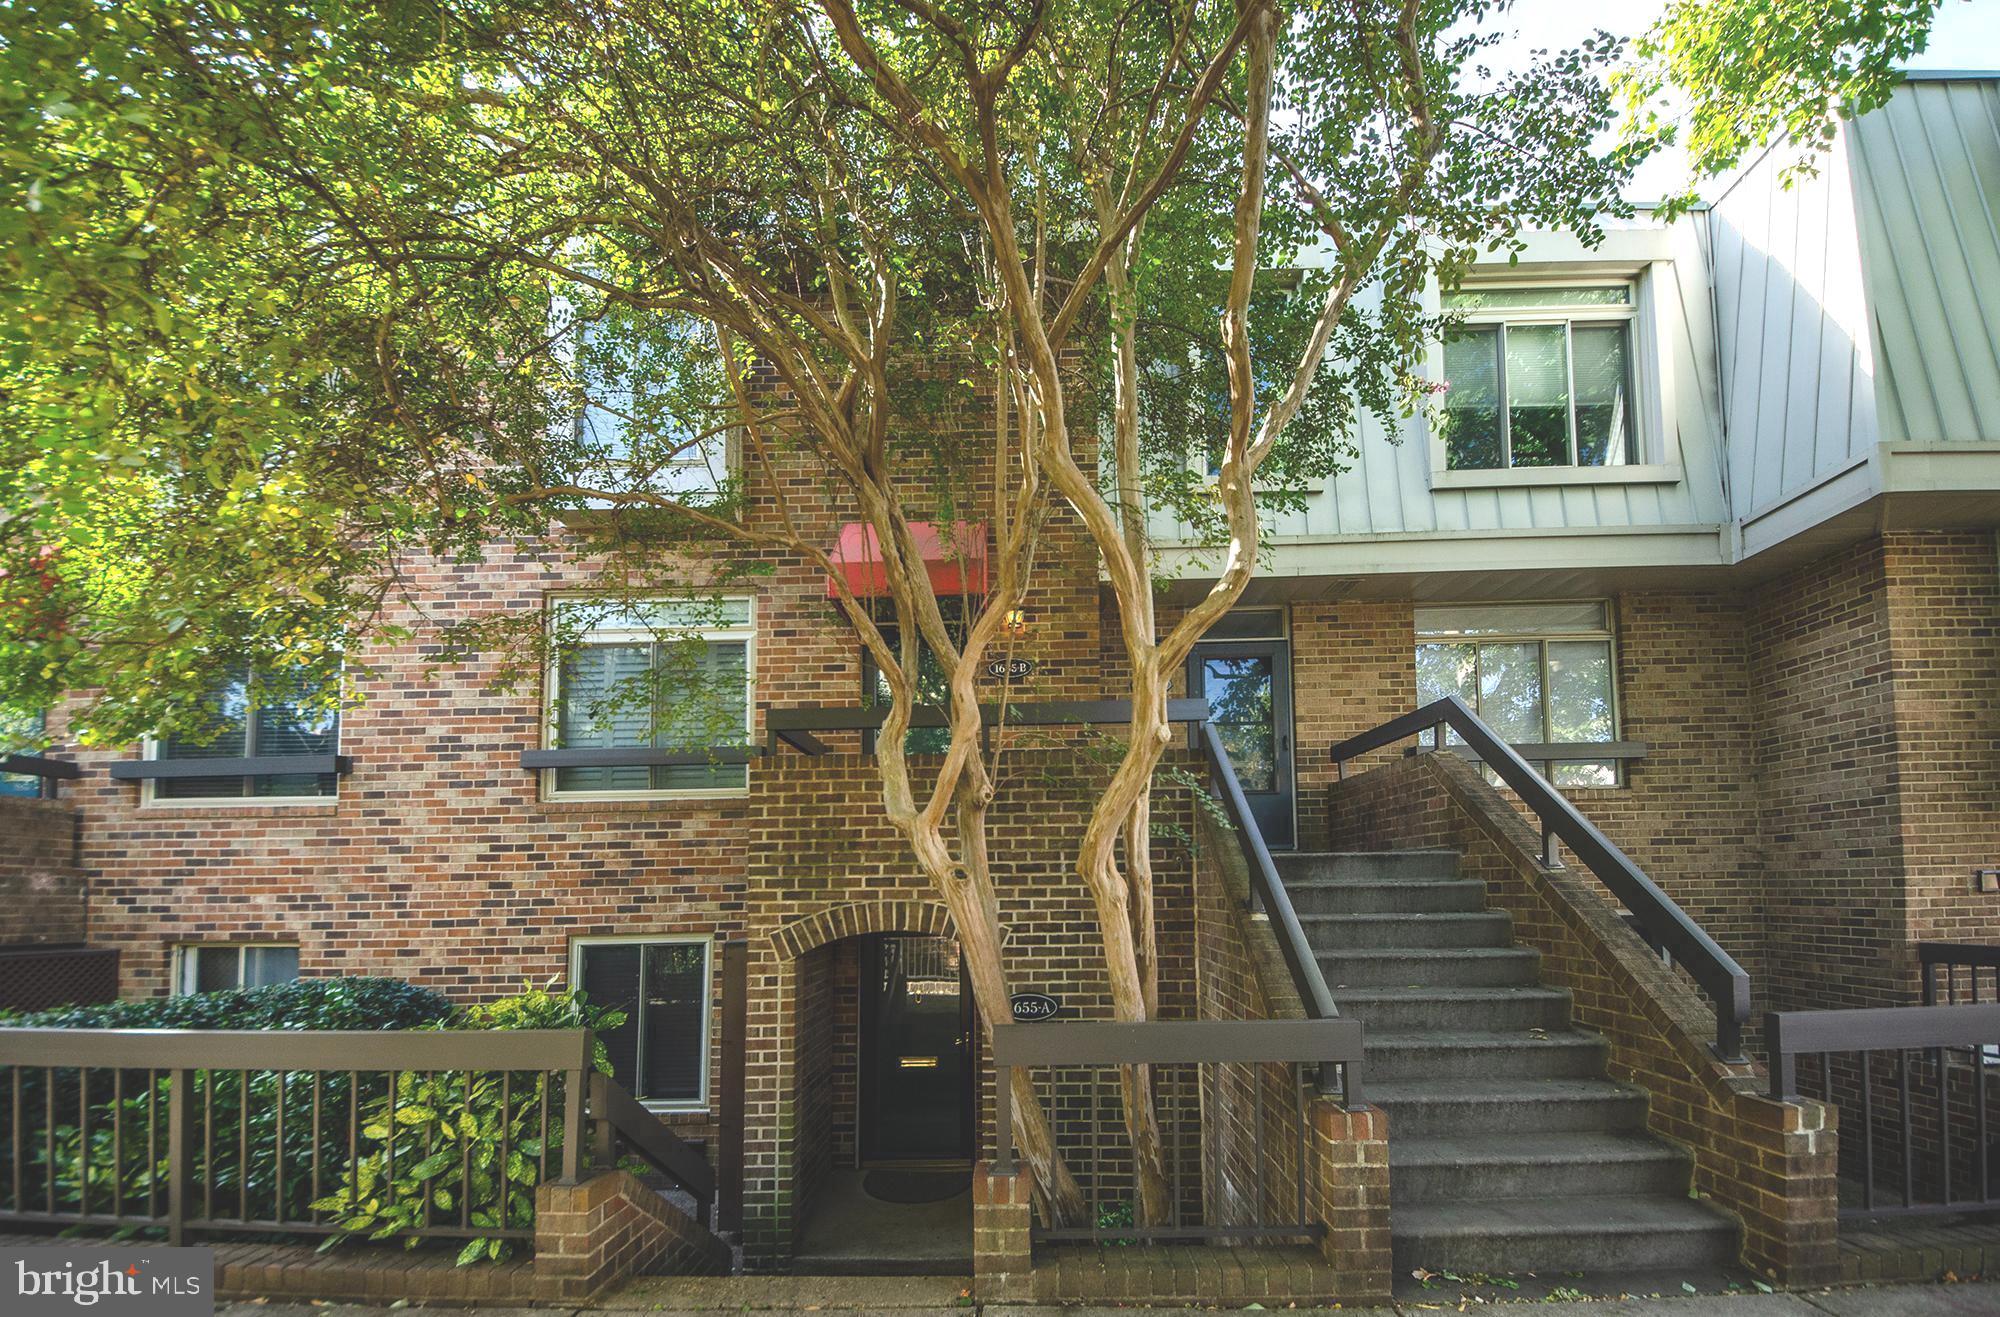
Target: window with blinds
(666, 676)
(274, 721)
(659, 1053)
(1540, 377)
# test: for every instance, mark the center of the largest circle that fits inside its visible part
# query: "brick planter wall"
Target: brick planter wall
(1773, 1164)
(592, 1236)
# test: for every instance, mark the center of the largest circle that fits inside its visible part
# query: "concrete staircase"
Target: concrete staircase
(1509, 1151)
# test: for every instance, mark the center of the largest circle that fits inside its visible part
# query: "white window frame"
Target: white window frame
(1609, 635)
(185, 962)
(616, 635)
(150, 798)
(707, 943)
(567, 332)
(1649, 464)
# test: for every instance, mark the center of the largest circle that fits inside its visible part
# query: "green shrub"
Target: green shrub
(130, 1106)
(343, 1003)
(444, 1134)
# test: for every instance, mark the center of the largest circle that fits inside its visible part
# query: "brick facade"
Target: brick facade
(41, 884)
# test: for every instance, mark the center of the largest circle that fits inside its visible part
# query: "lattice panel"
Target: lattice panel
(36, 978)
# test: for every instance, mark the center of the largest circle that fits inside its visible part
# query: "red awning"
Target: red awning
(955, 558)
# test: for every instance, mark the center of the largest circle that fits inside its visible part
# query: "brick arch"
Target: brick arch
(854, 919)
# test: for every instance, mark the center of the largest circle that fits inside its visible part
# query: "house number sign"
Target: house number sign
(1029, 1007)
(1011, 667)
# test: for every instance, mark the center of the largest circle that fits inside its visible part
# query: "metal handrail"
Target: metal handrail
(1663, 924)
(1952, 956)
(1268, 888)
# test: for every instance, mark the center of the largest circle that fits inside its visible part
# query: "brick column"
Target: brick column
(1003, 1265)
(1351, 1197)
(593, 1235)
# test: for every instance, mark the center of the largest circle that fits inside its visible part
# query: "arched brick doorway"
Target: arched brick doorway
(832, 1139)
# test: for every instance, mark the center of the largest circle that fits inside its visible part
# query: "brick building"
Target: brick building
(1708, 524)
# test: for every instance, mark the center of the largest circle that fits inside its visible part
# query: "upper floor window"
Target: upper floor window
(933, 683)
(672, 675)
(655, 410)
(1538, 674)
(271, 723)
(1540, 376)
(218, 967)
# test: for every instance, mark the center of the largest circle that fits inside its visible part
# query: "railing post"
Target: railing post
(603, 1137)
(1551, 848)
(1003, 1116)
(1784, 1066)
(180, 1144)
(573, 1119)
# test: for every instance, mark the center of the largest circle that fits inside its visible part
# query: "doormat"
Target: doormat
(890, 1185)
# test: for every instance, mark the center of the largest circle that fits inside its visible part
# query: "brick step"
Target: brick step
(1607, 1233)
(1433, 967)
(1415, 1057)
(1455, 1168)
(1472, 1010)
(1486, 928)
(1427, 1108)
(1376, 866)
(1376, 896)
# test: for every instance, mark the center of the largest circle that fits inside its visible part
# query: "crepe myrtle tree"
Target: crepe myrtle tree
(301, 294)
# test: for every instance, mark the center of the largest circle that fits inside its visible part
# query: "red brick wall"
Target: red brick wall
(41, 887)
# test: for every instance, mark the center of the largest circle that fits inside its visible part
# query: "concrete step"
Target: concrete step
(1456, 1168)
(1485, 928)
(1381, 897)
(1465, 1107)
(1378, 866)
(1420, 1057)
(1608, 1233)
(1432, 967)
(1455, 1010)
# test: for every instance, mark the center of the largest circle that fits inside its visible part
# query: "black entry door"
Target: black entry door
(1248, 685)
(916, 1065)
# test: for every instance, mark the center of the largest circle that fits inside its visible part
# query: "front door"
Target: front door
(1248, 685)
(916, 1062)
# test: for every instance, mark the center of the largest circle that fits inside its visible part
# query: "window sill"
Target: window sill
(1557, 477)
(567, 803)
(326, 804)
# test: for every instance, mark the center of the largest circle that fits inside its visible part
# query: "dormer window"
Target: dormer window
(1540, 376)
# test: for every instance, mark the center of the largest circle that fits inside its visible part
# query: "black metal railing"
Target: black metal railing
(1232, 1098)
(1912, 1085)
(276, 1132)
(1268, 891)
(1946, 960)
(50, 771)
(1662, 923)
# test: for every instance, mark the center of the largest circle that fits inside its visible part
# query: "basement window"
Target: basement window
(221, 967)
(1538, 674)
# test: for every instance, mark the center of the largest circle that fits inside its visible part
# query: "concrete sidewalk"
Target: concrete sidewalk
(944, 1297)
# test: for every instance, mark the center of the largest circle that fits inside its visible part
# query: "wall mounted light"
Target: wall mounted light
(1017, 620)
